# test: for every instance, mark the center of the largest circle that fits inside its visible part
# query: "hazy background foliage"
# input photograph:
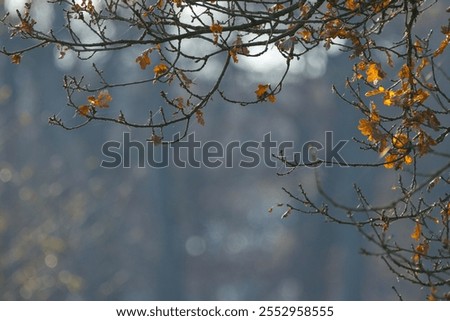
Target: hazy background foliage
(70, 229)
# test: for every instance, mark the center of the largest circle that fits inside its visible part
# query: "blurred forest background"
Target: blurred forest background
(71, 230)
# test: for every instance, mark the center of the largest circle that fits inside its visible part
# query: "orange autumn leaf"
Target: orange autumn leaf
(418, 46)
(177, 2)
(15, 59)
(362, 65)
(380, 5)
(421, 249)
(83, 110)
(26, 26)
(405, 72)
(160, 4)
(101, 101)
(374, 73)
(442, 45)
(365, 127)
(103, 98)
(400, 141)
(420, 96)
(408, 160)
(304, 9)
(276, 7)
(388, 98)
(423, 63)
(143, 60)
(160, 69)
(233, 55)
(369, 128)
(272, 98)
(390, 161)
(305, 34)
(92, 100)
(216, 28)
(352, 4)
(446, 210)
(415, 235)
(374, 116)
(155, 139)
(262, 90)
(432, 296)
(199, 116)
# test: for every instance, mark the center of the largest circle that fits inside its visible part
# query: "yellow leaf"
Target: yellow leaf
(365, 127)
(272, 98)
(374, 92)
(361, 65)
(388, 98)
(405, 72)
(418, 46)
(262, 90)
(369, 128)
(374, 73)
(374, 116)
(380, 5)
(423, 63)
(415, 235)
(408, 160)
(390, 161)
(92, 100)
(420, 96)
(160, 69)
(422, 248)
(400, 141)
(442, 46)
